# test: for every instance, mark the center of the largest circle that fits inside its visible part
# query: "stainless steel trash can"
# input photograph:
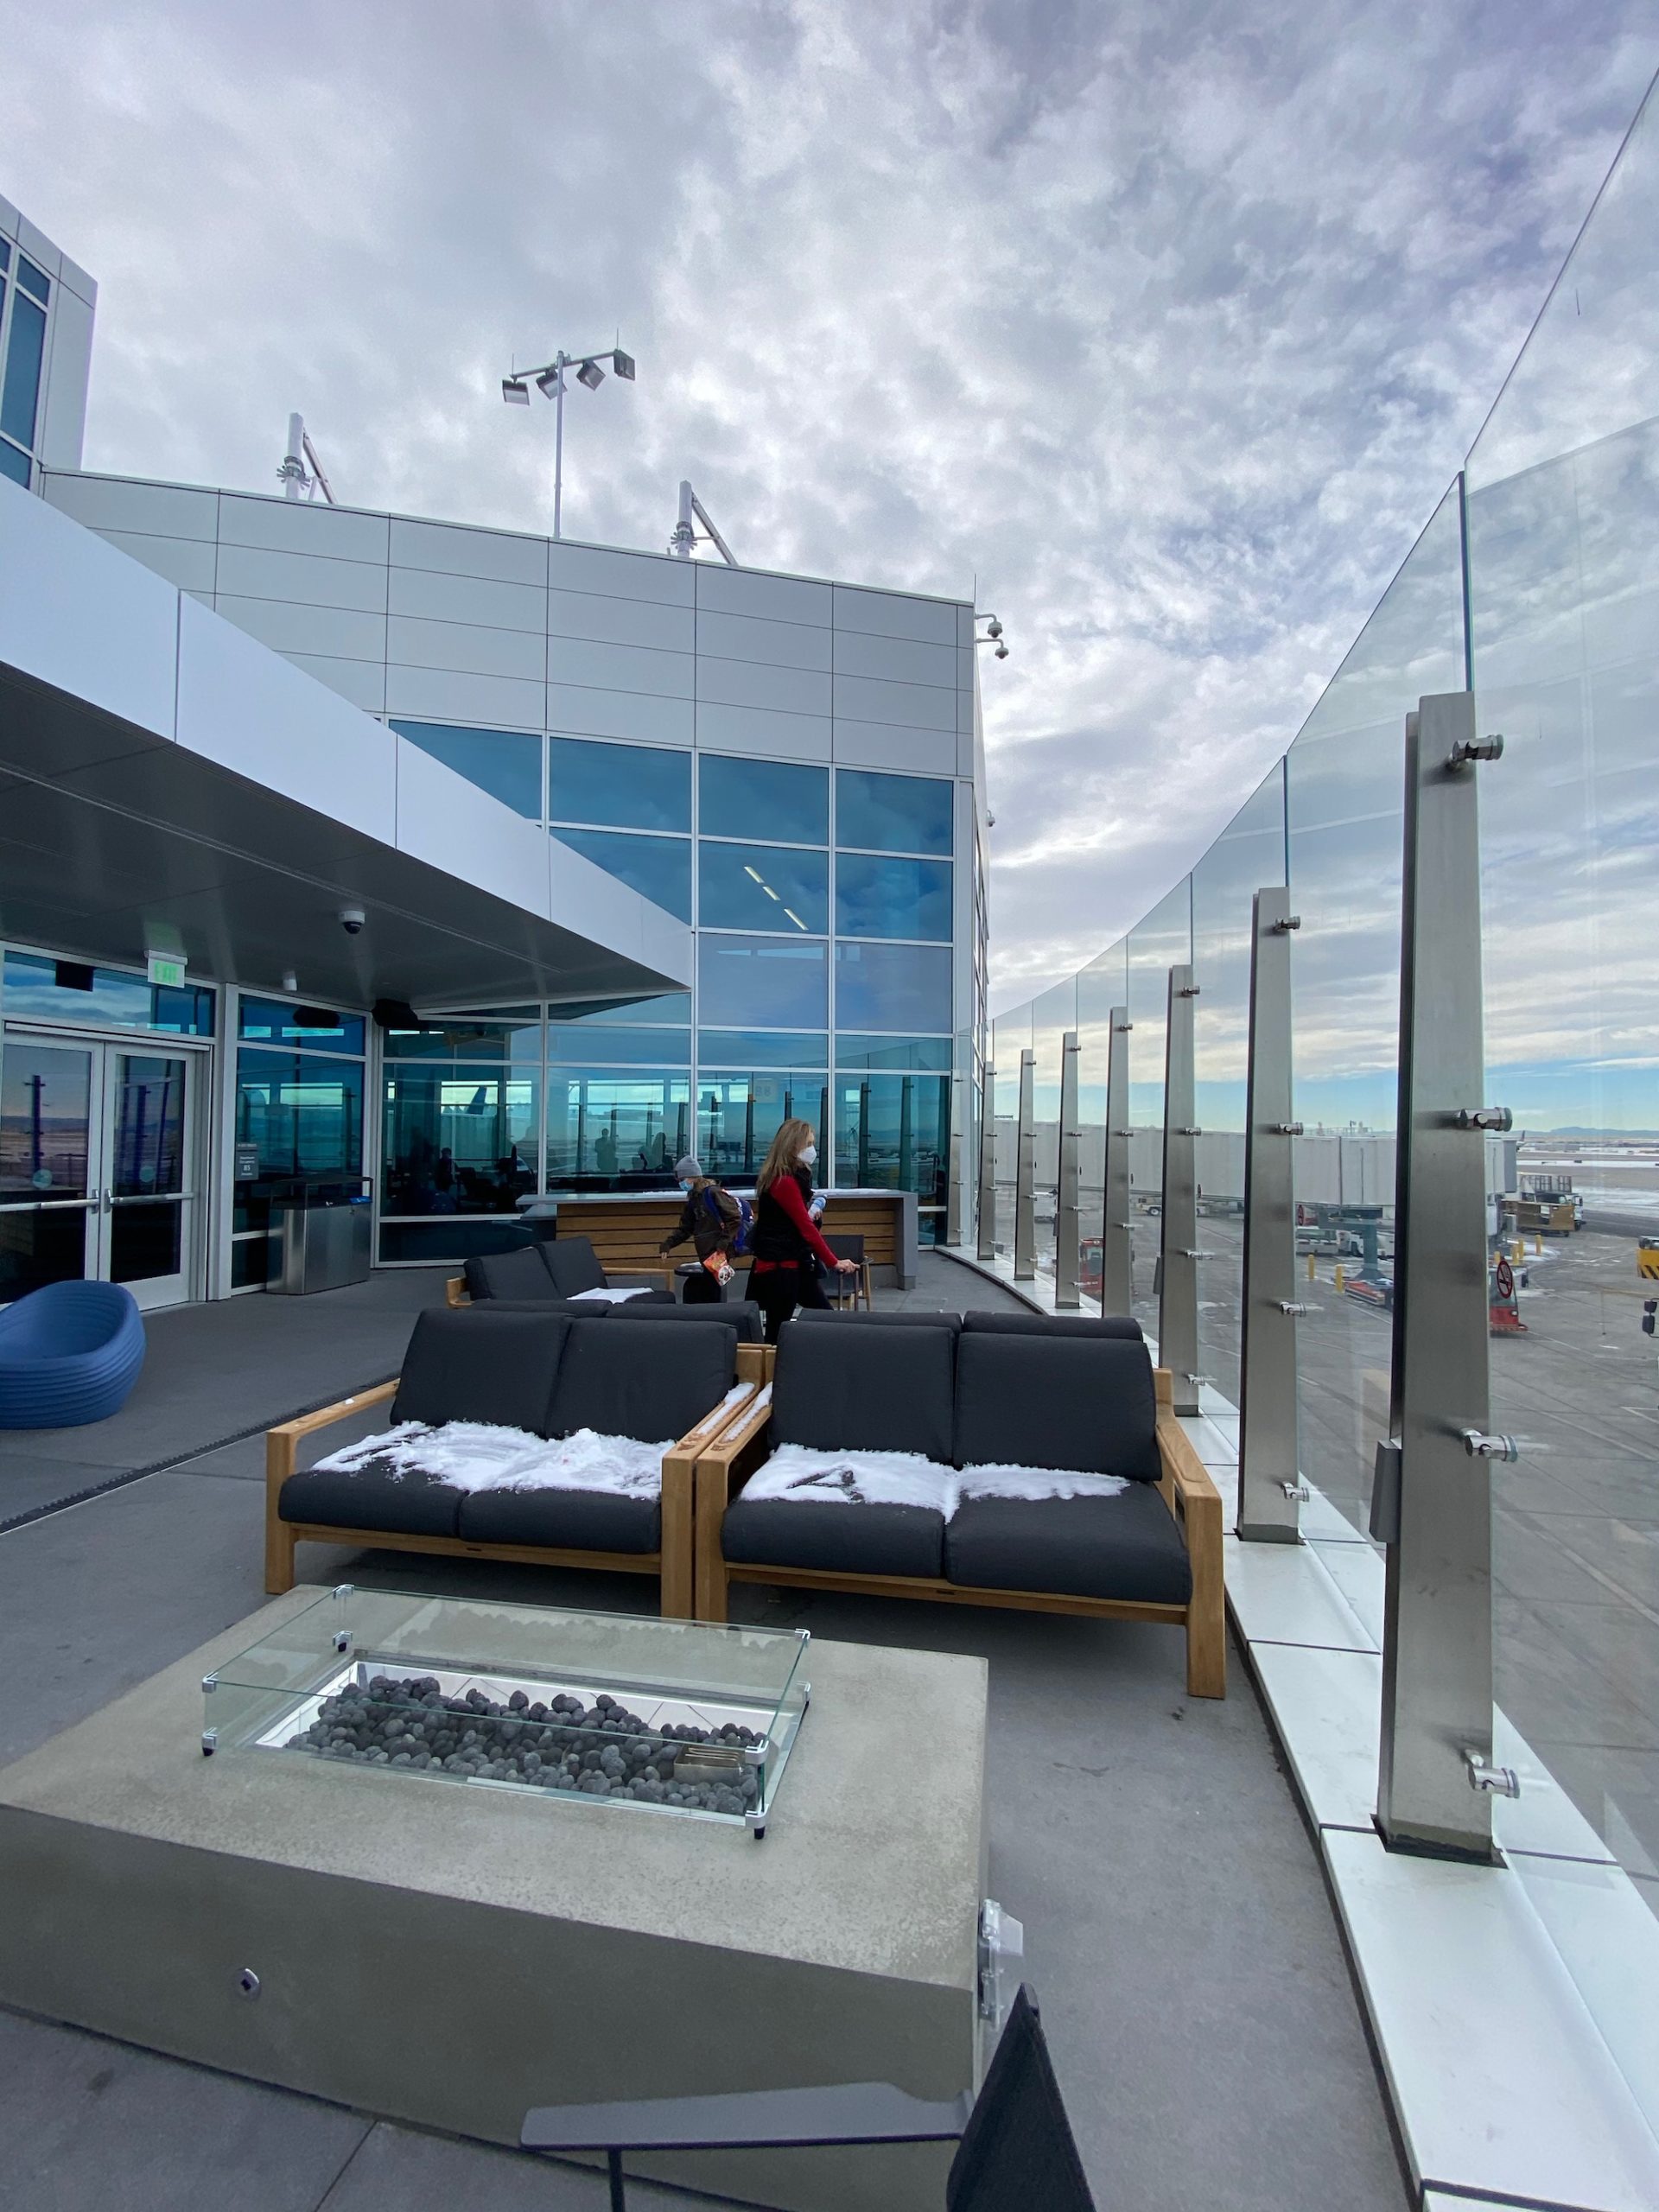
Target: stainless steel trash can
(321, 1239)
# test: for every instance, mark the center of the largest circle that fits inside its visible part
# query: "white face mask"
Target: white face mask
(808, 1155)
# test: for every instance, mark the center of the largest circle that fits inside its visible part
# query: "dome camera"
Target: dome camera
(1001, 651)
(993, 628)
(352, 919)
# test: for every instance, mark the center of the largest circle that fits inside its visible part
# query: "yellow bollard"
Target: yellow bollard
(1310, 1276)
(1519, 1253)
(1538, 1247)
(1342, 1280)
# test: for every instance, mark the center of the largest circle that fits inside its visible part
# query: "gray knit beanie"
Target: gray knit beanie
(689, 1165)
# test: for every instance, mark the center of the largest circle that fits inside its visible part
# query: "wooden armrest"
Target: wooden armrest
(456, 1292)
(712, 1425)
(749, 1422)
(282, 1442)
(1186, 1472)
(845, 2112)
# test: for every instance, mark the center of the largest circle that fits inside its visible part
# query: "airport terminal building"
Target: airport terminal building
(352, 853)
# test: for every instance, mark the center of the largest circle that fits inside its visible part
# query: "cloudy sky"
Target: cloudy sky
(1163, 324)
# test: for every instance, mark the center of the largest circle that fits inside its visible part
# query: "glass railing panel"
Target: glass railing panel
(1563, 524)
(1162, 941)
(1053, 1012)
(1100, 986)
(1344, 792)
(1247, 857)
(1010, 1035)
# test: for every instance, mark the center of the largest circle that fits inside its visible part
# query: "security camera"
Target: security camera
(352, 919)
(1001, 652)
(993, 628)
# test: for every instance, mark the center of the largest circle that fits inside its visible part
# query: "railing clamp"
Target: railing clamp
(1287, 923)
(1500, 1781)
(210, 1682)
(1294, 1307)
(1497, 1119)
(1480, 1445)
(1300, 1491)
(1285, 1128)
(1185, 1252)
(1189, 1133)
(1475, 748)
(1187, 991)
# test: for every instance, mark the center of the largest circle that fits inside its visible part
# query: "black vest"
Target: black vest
(775, 1237)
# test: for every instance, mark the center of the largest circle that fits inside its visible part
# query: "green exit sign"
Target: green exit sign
(166, 970)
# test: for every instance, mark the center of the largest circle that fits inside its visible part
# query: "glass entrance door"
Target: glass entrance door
(50, 1108)
(149, 1202)
(98, 1148)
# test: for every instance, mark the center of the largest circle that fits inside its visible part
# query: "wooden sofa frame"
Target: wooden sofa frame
(672, 1564)
(1184, 1485)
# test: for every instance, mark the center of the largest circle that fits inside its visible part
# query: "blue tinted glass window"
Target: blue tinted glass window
(673, 1011)
(764, 982)
(506, 763)
(637, 1047)
(620, 786)
(658, 869)
(504, 1033)
(23, 356)
(5, 254)
(304, 1113)
(768, 799)
(761, 1048)
(901, 987)
(893, 1133)
(283, 1021)
(893, 814)
(897, 1053)
(65, 991)
(33, 279)
(762, 888)
(458, 1138)
(738, 1116)
(14, 464)
(615, 1128)
(893, 898)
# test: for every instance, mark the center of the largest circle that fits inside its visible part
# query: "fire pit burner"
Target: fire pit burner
(585, 1708)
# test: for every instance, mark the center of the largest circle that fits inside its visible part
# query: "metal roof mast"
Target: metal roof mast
(683, 545)
(292, 475)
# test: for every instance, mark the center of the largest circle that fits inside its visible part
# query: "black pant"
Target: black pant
(780, 1290)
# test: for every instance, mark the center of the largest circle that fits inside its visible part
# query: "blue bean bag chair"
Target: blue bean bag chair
(69, 1354)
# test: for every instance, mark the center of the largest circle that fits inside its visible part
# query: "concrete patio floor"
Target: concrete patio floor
(1193, 1981)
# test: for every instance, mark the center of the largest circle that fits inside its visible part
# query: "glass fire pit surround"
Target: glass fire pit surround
(579, 1709)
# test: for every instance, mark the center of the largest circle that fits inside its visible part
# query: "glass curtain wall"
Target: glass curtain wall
(460, 1129)
(1051, 1015)
(1010, 1037)
(298, 1117)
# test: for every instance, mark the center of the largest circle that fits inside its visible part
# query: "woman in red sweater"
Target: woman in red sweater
(785, 1240)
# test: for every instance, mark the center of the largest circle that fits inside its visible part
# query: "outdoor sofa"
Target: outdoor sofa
(1041, 1467)
(559, 1267)
(515, 1434)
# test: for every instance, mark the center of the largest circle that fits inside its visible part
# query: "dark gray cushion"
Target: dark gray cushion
(522, 1275)
(1056, 1401)
(1054, 1325)
(737, 1315)
(1125, 1547)
(861, 1317)
(654, 1384)
(566, 1520)
(476, 1364)
(865, 1389)
(573, 1265)
(372, 1498)
(837, 1539)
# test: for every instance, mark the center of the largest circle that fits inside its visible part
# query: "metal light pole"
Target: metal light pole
(550, 382)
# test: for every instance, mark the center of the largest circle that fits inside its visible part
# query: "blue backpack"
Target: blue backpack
(745, 1216)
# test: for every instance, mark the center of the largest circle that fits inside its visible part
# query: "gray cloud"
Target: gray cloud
(1166, 323)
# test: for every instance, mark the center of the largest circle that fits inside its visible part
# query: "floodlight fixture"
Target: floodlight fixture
(550, 382)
